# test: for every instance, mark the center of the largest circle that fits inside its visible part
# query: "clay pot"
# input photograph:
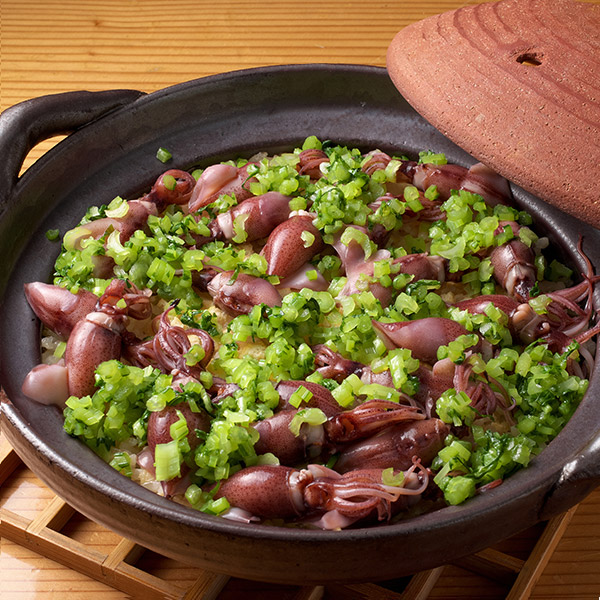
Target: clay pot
(111, 150)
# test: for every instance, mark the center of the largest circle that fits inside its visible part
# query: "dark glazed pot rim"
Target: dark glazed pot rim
(218, 117)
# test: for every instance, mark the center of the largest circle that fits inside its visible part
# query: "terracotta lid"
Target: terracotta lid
(516, 84)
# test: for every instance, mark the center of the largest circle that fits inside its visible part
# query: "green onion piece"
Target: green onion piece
(159, 270)
(167, 460)
(159, 400)
(122, 463)
(308, 238)
(376, 391)
(431, 193)
(267, 459)
(457, 489)
(194, 355)
(163, 155)
(169, 182)
(411, 196)
(427, 156)
(454, 407)
(312, 143)
(179, 429)
(218, 506)
(540, 304)
(53, 234)
(311, 416)
(458, 451)
(360, 237)
(60, 349)
(192, 260)
(75, 235)
(239, 228)
(298, 203)
(556, 271)
(345, 392)
(299, 396)
(389, 478)
(117, 208)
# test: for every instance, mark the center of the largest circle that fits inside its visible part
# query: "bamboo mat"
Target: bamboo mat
(49, 46)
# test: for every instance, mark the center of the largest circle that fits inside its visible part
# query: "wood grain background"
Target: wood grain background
(51, 46)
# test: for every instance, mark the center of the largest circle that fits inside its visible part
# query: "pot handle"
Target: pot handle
(24, 125)
(578, 478)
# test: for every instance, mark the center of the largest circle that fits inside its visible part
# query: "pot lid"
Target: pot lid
(516, 84)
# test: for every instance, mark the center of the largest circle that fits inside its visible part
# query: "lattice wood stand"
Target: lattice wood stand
(34, 518)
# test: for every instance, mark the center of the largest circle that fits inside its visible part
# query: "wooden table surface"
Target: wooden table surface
(50, 46)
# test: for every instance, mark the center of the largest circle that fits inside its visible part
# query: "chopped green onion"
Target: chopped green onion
(163, 155)
(299, 396)
(388, 477)
(310, 416)
(167, 460)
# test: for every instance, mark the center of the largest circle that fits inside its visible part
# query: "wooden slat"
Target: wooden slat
(9, 460)
(125, 551)
(310, 593)
(421, 584)
(538, 559)
(51, 544)
(365, 591)
(75, 555)
(208, 586)
(139, 584)
(54, 516)
(493, 564)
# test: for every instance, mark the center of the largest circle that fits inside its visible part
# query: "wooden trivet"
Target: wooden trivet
(51, 531)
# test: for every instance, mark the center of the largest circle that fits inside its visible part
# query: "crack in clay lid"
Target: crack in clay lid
(516, 84)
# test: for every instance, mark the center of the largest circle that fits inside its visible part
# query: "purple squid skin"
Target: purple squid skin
(285, 250)
(136, 218)
(321, 398)
(422, 337)
(423, 266)
(309, 162)
(333, 365)
(299, 280)
(337, 500)
(276, 437)
(396, 446)
(47, 384)
(94, 327)
(264, 214)
(243, 294)
(95, 339)
(356, 263)
(217, 180)
(478, 179)
(346, 426)
(139, 210)
(281, 491)
(57, 307)
(514, 268)
(163, 194)
(367, 419)
(478, 305)
(159, 424)
(382, 293)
